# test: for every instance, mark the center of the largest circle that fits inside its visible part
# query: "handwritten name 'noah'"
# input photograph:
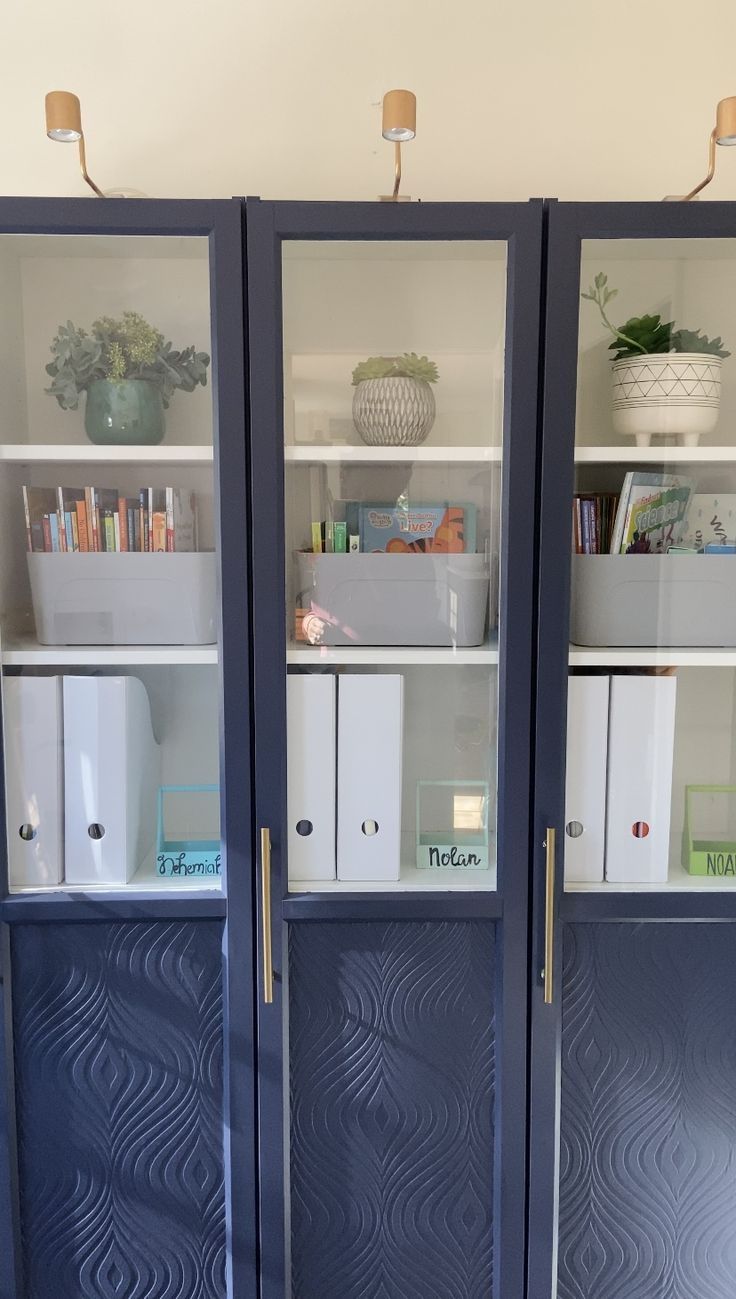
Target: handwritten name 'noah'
(721, 863)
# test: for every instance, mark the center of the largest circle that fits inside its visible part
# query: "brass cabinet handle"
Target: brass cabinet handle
(266, 914)
(549, 917)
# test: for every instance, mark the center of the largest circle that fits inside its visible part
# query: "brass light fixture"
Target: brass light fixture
(724, 132)
(399, 125)
(64, 124)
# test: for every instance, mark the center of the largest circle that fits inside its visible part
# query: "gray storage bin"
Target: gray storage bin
(124, 599)
(377, 599)
(650, 600)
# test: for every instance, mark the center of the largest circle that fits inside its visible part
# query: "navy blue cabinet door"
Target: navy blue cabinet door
(118, 1046)
(127, 1097)
(392, 1055)
(632, 1055)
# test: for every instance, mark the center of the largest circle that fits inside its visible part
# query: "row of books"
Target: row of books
(655, 514)
(355, 527)
(593, 516)
(102, 519)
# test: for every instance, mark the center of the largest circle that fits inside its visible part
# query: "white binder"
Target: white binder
(369, 773)
(311, 776)
(641, 737)
(585, 785)
(33, 766)
(111, 770)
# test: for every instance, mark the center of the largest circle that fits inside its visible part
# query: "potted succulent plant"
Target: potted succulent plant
(393, 403)
(666, 381)
(128, 373)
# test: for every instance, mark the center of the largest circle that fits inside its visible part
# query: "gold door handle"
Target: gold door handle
(549, 917)
(266, 914)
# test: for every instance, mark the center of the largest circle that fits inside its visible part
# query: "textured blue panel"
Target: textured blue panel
(648, 1169)
(392, 1069)
(118, 1041)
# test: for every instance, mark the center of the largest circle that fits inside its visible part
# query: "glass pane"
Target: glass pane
(107, 563)
(393, 415)
(651, 752)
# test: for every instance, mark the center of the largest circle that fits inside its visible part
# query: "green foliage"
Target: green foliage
(648, 335)
(643, 334)
(408, 366)
(119, 349)
(691, 340)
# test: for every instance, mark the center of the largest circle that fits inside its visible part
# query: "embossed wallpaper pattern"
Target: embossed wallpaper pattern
(648, 1153)
(392, 1067)
(118, 1040)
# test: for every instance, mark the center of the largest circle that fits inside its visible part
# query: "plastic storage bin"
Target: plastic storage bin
(124, 599)
(394, 599)
(653, 600)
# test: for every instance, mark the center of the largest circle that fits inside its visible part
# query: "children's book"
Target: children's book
(651, 513)
(711, 519)
(417, 529)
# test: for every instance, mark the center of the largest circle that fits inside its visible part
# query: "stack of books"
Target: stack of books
(102, 519)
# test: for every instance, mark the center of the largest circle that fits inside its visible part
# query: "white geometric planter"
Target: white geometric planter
(396, 412)
(672, 393)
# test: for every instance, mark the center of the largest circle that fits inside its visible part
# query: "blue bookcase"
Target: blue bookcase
(343, 1073)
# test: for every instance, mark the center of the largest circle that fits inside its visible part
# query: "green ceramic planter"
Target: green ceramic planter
(129, 413)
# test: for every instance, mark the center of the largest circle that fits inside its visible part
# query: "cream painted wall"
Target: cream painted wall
(280, 97)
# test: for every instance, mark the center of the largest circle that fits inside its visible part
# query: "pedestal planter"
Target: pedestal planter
(667, 394)
(393, 411)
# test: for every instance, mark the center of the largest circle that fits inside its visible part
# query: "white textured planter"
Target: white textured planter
(393, 412)
(670, 394)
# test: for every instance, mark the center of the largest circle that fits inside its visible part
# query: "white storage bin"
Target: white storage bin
(124, 599)
(644, 600)
(377, 599)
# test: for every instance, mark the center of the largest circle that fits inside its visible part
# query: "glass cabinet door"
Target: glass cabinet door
(651, 793)
(108, 584)
(393, 436)
(393, 605)
(633, 1057)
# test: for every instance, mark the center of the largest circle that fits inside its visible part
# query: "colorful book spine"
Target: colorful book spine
(82, 524)
(123, 522)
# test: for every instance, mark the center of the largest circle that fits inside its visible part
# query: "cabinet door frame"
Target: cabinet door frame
(220, 221)
(520, 225)
(567, 225)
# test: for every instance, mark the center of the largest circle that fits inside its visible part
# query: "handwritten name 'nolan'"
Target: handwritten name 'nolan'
(452, 857)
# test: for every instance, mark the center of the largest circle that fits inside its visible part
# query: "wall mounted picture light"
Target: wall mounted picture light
(399, 125)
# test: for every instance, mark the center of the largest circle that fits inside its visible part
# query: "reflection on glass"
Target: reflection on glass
(653, 621)
(393, 412)
(108, 592)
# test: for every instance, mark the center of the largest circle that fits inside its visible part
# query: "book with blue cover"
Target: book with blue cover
(417, 529)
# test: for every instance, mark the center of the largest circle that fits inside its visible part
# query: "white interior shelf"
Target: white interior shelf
(23, 650)
(145, 880)
(89, 454)
(413, 880)
(392, 455)
(678, 881)
(371, 655)
(654, 455)
(655, 657)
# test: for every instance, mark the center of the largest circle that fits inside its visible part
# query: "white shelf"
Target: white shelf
(325, 455)
(145, 880)
(632, 455)
(87, 453)
(679, 881)
(412, 880)
(631, 656)
(23, 650)
(357, 656)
